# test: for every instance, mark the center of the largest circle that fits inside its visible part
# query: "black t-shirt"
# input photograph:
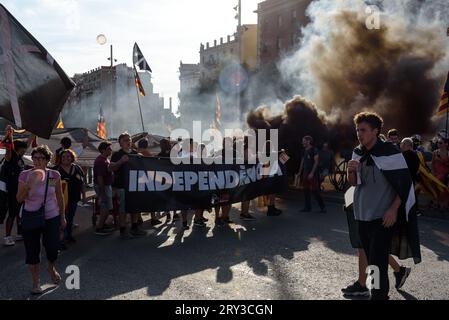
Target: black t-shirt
(165, 154)
(13, 168)
(119, 175)
(74, 179)
(412, 160)
(309, 160)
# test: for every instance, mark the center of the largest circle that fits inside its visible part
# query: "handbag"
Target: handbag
(32, 220)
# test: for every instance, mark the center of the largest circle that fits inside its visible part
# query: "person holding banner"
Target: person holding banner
(103, 178)
(228, 150)
(188, 152)
(166, 147)
(271, 198)
(247, 154)
(142, 148)
(118, 160)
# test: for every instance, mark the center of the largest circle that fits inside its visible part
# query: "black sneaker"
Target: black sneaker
(185, 226)
(227, 221)
(274, 212)
(70, 240)
(219, 222)
(355, 290)
(155, 222)
(247, 217)
(108, 228)
(137, 232)
(103, 232)
(401, 276)
(199, 223)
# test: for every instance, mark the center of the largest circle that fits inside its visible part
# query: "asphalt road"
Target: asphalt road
(293, 256)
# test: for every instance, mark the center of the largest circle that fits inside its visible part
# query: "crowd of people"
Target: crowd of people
(55, 185)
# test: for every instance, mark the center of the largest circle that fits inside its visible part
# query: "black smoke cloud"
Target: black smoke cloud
(396, 70)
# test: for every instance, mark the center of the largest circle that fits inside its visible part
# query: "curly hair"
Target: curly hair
(43, 150)
(373, 119)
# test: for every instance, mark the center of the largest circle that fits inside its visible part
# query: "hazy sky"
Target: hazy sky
(167, 31)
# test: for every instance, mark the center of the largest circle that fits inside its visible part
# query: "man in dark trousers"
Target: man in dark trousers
(384, 200)
(310, 177)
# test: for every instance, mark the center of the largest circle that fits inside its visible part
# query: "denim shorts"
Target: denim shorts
(106, 203)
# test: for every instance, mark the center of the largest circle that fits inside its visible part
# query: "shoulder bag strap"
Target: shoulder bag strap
(46, 188)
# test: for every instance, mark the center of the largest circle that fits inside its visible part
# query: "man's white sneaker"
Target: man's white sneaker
(9, 241)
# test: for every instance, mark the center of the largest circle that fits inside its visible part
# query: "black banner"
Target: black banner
(156, 184)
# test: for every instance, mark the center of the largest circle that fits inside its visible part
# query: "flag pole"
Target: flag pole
(138, 99)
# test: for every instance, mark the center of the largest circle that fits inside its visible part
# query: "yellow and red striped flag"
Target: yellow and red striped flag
(443, 109)
(101, 126)
(139, 84)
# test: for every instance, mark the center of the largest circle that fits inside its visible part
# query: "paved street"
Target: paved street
(294, 256)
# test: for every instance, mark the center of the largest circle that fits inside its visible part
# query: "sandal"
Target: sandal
(37, 291)
(55, 277)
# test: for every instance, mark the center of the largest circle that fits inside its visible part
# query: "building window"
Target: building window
(279, 21)
(294, 15)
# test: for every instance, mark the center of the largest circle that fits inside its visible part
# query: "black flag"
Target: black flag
(139, 60)
(33, 87)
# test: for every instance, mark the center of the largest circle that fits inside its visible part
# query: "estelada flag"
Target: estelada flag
(139, 83)
(33, 87)
(139, 60)
(444, 104)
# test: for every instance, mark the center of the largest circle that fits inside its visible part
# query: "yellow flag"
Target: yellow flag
(60, 123)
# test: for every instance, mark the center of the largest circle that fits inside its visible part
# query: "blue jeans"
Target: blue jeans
(71, 210)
